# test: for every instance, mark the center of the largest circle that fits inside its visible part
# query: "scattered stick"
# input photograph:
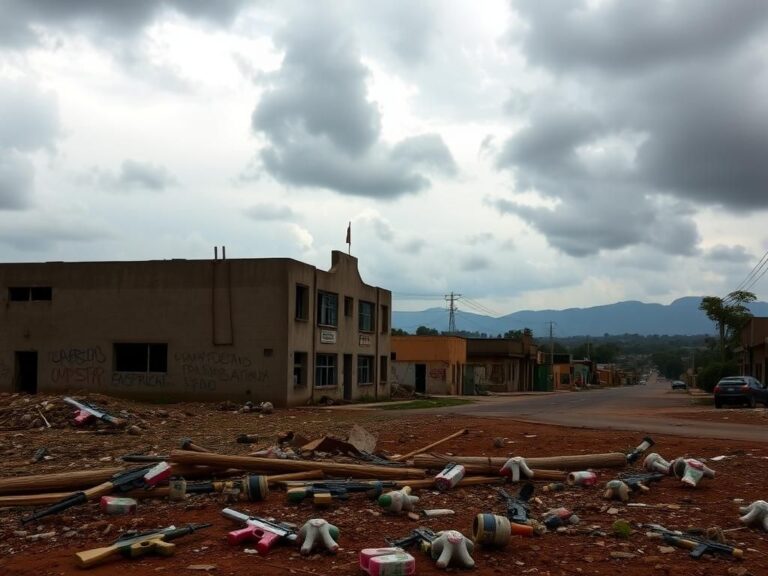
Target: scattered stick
(420, 450)
(47, 424)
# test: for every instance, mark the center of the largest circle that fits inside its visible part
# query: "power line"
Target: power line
(757, 272)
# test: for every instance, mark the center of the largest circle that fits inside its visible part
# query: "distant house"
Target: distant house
(253, 328)
(455, 365)
(506, 364)
(754, 338)
(430, 364)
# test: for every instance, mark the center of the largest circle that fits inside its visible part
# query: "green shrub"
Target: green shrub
(711, 374)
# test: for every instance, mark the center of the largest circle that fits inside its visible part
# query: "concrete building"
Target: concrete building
(753, 356)
(429, 364)
(455, 365)
(507, 364)
(261, 329)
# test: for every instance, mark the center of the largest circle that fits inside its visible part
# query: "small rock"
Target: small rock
(738, 571)
(666, 549)
(612, 511)
(203, 567)
(134, 430)
(622, 555)
(498, 442)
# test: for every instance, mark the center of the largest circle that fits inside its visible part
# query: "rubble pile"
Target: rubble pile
(288, 493)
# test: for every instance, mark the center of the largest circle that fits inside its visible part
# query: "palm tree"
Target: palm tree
(730, 314)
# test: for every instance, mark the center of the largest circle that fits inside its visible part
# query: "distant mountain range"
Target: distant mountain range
(681, 317)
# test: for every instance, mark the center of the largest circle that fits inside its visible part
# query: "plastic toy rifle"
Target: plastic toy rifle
(696, 544)
(121, 482)
(266, 533)
(640, 480)
(323, 492)
(517, 506)
(421, 536)
(132, 545)
(87, 411)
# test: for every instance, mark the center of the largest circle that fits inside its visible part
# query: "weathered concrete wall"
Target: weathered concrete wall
(230, 327)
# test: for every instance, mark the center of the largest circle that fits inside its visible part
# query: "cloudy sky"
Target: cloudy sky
(527, 154)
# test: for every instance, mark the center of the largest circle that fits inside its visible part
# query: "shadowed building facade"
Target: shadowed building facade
(242, 329)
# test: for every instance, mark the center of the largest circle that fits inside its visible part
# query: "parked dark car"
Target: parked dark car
(679, 385)
(740, 390)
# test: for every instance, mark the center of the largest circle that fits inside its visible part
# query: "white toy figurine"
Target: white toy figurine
(452, 545)
(655, 463)
(318, 530)
(398, 500)
(755, 513)
(514, 466)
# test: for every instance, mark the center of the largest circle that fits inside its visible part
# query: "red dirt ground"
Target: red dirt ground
(582, 549)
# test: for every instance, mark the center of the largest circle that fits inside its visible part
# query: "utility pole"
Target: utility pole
(452, 299)
(551, 355)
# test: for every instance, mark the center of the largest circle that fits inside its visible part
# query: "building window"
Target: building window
(299, 369)
(27, 293)
(302, 302)
(384, 320)
(327, 308)
(364, 370)
(325, 370)
(366, 316)
(383, 369)
(141, 357)
(349, 306)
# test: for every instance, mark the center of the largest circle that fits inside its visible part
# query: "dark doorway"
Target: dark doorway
(347, 376)
(421, 378)
(26, 372)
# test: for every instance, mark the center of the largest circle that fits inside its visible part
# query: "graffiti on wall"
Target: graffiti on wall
(205, 371)
(138, 379)
(437, 374)
(77, 367)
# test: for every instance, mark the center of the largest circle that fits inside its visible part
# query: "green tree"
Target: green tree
(424, 331)
(399, 332)
(729, 314)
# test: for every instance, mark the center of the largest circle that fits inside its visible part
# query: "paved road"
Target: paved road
(643, 408)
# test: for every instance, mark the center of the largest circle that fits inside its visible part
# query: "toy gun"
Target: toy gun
(121, 482)
(251, 487)
(132, 545)
(642, 447)
(323, 493)
(421, 536)
(639, 481)
(517, 506)
(266, 533)
(444, 547)
(696, 544)
(86, 412)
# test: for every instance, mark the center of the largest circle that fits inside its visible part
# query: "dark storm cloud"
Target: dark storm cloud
(730, 254)
(134, 174)
(427, 150)
(322, 129)
(673, 106)
(111, 17)
(627, 37)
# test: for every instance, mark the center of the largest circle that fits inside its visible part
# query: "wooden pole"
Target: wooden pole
(160, 492)
(265, 465)
(60, 481)
(577, 462)
(420, 450)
